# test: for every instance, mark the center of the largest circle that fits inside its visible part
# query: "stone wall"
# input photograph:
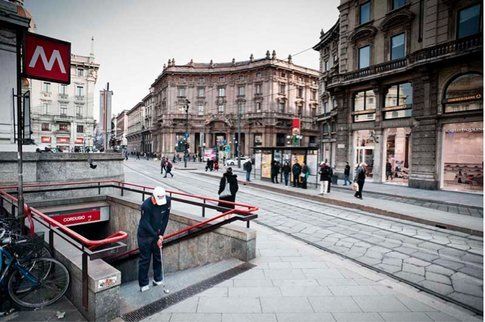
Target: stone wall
(59, 167)
(229, 241)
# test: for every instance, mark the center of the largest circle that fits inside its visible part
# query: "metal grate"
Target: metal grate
(181, 295)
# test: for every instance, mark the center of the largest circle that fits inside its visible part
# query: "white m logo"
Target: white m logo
(56, 56)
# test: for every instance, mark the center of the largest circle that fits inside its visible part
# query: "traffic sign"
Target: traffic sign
(46, 58)
(186, 135)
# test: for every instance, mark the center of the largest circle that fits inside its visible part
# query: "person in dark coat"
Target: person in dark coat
(324, 176)
(286, 169)
(168, 169)
(248, 167)
(153, 222)
(388, 171)
(162, 165)
(305, 173)
(228, 188)
(275, 170)
(329, 179)
(296, 171)
(360, 179)
(347, 174)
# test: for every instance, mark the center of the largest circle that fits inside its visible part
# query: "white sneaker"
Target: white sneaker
(144, 288)
(155, 283)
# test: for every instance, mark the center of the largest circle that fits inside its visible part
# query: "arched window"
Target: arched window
(464, 93)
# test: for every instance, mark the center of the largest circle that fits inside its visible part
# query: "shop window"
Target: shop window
(64, 127)
(469, 21)
(399, 101)
(364, 12)
(398, 152)
(45, 127)
(398, 46)
(364, 142)
(364, 106)
(396, 4)
(80, 129)
(463, 156)
(364, 57)
(464, 93)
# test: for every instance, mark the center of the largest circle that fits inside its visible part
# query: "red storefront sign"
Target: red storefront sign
(63, 140)
(79, 217)
(46, 139)
(46, 58)
(79, 141)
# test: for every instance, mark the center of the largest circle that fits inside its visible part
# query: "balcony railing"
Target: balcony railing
(79, 97)
(424, 55)
(63, 96)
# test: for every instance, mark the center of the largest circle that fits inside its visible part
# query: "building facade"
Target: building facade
(146, 134)
(261, 97)
(135, 118)
(62, 115)
(121, 130)
(409, 91)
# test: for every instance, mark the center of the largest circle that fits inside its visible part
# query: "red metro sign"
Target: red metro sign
(46, 58)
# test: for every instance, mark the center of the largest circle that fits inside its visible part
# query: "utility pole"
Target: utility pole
(239, 135)
(187, 102)
(20, 128)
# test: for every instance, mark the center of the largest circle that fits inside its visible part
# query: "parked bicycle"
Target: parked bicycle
(30, 281)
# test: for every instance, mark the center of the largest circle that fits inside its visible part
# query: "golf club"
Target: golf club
(165, 290)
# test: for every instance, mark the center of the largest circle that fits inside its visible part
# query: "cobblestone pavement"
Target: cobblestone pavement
(448, 263)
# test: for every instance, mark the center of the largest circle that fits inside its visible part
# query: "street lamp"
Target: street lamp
(239, 135)
(186, 136)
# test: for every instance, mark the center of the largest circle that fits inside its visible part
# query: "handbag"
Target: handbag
(227, 190)
(355, 186)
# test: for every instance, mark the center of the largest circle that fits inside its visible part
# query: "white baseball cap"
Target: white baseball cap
(160, 195)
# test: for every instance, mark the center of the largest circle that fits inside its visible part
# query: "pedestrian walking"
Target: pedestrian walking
(330, 170)
(305, 173)
(347, 174)
(248, 167)
(138, 155)
(228, 188)
(216, 165)
(324, 175)
(207, 165)
(162, 165)
(168, 169)
(360, 179)
(388, 171)
(155, 212)
(286, 169)
(296, 171)
(275, 170)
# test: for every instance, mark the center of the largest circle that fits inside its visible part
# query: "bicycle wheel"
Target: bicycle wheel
(40, 284)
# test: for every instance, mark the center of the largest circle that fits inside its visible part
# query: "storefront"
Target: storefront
(463, 156)
(397, 154)
(364, 144)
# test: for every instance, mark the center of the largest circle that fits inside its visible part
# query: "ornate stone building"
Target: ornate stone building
(135, 118)
(267, 93)
(409, 91)
(62, 115)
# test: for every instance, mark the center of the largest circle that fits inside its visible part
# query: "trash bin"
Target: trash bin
(334, 179)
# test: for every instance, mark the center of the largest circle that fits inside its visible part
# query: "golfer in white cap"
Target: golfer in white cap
(153, 222)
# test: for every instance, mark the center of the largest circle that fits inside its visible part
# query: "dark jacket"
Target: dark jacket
(286, 169)
(324, 173)
(154, 219)
(360, 174)
(248, 166)
(347, 170)
(232, 180)
(296, 169)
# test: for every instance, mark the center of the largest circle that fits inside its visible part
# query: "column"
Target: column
(379, 145)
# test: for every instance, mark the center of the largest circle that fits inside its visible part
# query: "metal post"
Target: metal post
(20, 129)
(84, 279)
(99, 188)
(247, 224)
(187, 102)
(51, 239)
(239, 135)
(122, 189)
(203, 209)
(143, 195)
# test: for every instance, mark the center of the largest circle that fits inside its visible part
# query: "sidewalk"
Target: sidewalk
(296, 282)
(405, 208)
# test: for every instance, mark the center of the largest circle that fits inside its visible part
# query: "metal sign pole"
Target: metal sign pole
(20, 128)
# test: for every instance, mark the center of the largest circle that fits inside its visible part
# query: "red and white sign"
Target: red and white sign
(295, 126)
(63, 140)
(46, 139)
(79, 141)
(80, 217)
(46, 58)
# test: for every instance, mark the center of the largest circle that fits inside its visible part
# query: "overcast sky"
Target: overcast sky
(133, 39)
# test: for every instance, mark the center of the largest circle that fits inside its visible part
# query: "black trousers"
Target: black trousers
(225, 205)
(358, 193)
(148, 249)
(296, 179)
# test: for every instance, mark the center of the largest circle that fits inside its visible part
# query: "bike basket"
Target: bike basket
(28, 247)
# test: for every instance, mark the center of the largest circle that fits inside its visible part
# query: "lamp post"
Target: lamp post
(239, 135)
(186, 107)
